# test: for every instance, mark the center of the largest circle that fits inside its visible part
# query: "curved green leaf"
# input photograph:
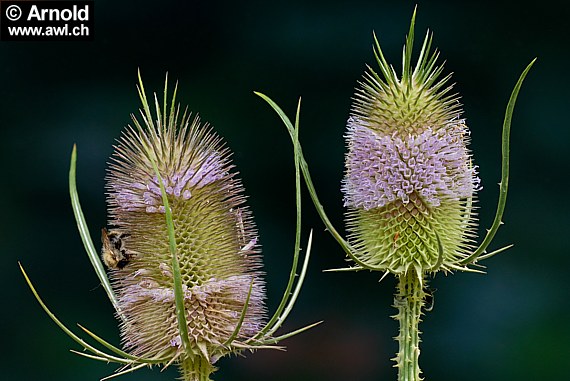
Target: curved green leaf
(313, 193)
(504, 184)
(70, 333)
(276, 318)
(84, 233)
(241, 317)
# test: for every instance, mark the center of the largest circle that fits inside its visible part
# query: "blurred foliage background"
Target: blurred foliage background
(506, 325)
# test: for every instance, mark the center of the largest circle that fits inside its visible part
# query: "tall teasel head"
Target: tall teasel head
(216, 240)
(410, 183)
(185, 272)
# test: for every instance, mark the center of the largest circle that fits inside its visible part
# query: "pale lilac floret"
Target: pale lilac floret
(381, 169)
(135, 196)
(222, 295)
(210, 170)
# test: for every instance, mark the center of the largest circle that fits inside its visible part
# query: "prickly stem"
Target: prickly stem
(409, 300)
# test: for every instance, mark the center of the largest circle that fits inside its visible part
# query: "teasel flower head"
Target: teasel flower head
(185, 263)
(184, 269)
(216, 241)
(410, 184)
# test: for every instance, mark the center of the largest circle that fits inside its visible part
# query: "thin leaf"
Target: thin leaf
(492, 253)
(121, 352)
(504, 184)
(123, 372)
(256, 347)
(271, 324)
(308, 181)
(241, 318)
(290, 334)
(301, 278)
(89, 356)
(293, 298)
(344, 269)
(70, 333)
(178, 292)
(85, 236)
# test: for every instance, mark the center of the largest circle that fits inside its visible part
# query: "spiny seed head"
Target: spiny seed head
(216, 239)
(410, 183)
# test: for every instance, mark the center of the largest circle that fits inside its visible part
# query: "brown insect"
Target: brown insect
(396, 236)
(114, 253)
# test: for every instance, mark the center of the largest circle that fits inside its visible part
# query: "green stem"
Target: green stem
(409, 300)
(196, 369)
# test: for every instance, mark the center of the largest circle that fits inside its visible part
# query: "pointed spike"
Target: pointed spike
(128, 370)
(344, 269)
(493, 253)
(439, 255)
(422, 59)
(387, 71)
(407, 56)
(203, 349)
(384, 276)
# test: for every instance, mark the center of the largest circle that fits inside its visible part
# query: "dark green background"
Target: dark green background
(510, 324)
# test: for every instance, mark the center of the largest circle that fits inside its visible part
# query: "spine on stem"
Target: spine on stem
(409, 300)
(196, 370)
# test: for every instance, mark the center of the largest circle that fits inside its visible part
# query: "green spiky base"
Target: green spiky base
(198, 369)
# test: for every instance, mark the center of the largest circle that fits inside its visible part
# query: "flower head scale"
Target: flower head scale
(410, 184)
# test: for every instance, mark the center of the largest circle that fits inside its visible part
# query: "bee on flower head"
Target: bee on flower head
(114, 253)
